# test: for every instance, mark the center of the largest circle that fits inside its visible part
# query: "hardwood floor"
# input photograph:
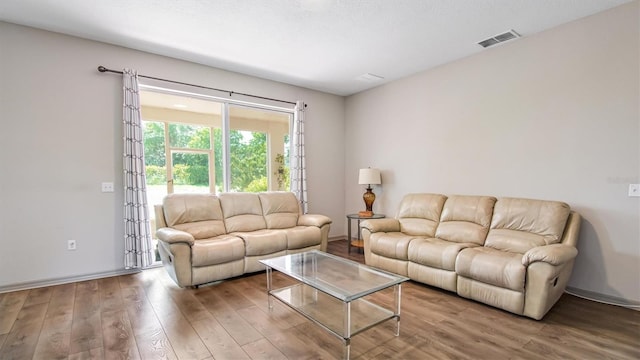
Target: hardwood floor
(146, 316)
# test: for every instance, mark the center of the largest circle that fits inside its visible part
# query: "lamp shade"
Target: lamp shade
(369, 176)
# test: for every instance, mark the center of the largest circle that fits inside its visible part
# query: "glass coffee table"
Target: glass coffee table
(331, 292)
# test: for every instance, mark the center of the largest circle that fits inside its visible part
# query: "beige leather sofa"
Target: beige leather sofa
(204, 238)
(514, 254)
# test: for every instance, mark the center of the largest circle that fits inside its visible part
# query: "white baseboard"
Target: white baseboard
(602, 298)
(339, 237)
(65, 280)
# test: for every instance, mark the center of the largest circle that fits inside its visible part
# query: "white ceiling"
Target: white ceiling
(318, 44)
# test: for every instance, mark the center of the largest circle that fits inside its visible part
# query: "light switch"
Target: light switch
(634, 190)
(107, 187)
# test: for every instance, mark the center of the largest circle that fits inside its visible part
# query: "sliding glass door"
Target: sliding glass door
(196, 143)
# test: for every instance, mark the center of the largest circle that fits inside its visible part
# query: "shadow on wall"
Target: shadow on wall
(590, 264)
(382, 200)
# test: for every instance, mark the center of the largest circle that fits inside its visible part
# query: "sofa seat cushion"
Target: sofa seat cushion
(302, 236)
(436, 253)
(263, 242)
(499, 268)
(394, 245)
(218, 250)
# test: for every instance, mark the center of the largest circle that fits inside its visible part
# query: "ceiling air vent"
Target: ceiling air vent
(500, 38)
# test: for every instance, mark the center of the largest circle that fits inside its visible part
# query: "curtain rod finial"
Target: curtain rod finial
(102, 68)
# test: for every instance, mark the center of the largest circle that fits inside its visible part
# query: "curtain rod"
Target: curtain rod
(104, 69)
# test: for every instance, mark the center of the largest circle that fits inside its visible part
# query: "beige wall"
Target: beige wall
(61, 137)
(549, 116)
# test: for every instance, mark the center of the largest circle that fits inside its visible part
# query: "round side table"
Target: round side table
(358, 242)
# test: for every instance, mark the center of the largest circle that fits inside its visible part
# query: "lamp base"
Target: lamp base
(369, 197)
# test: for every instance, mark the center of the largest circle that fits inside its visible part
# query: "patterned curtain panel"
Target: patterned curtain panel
(298, 167)
(138, 251)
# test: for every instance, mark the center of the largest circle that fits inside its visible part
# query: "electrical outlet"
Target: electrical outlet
(71, 244)
(107, 187)
(634, 190)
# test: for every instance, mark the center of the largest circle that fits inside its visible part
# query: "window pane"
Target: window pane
(258, 145)
(189, 136)
(190, 172)
(155, 164)
(248, 161)
(154, 153)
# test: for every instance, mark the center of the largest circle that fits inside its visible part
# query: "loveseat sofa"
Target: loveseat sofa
(204, 238)
(514, 254)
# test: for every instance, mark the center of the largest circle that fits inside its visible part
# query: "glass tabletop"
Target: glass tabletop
(341, 278)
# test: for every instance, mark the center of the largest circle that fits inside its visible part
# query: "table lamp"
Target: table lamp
(368, 177)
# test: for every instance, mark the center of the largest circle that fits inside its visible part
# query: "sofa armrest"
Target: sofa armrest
(313, 220)
(555, 254)
(172, 236)
(381, 225)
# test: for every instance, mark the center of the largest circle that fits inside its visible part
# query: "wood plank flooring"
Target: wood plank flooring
(146, 316)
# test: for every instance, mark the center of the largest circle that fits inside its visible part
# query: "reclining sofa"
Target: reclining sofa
(514, 254)
(204, 238)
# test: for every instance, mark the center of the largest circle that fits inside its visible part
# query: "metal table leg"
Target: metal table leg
(349, 236)
(347, 329)
(269, 299)
(397, 291)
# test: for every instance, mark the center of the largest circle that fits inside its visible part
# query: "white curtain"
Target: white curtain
(138, 252)
(298, 167)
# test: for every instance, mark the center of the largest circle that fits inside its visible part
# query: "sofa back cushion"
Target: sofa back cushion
(242, 212)
(419, 213)
(521, 224)
(466, 219)
(198, 214)
(280, 209)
